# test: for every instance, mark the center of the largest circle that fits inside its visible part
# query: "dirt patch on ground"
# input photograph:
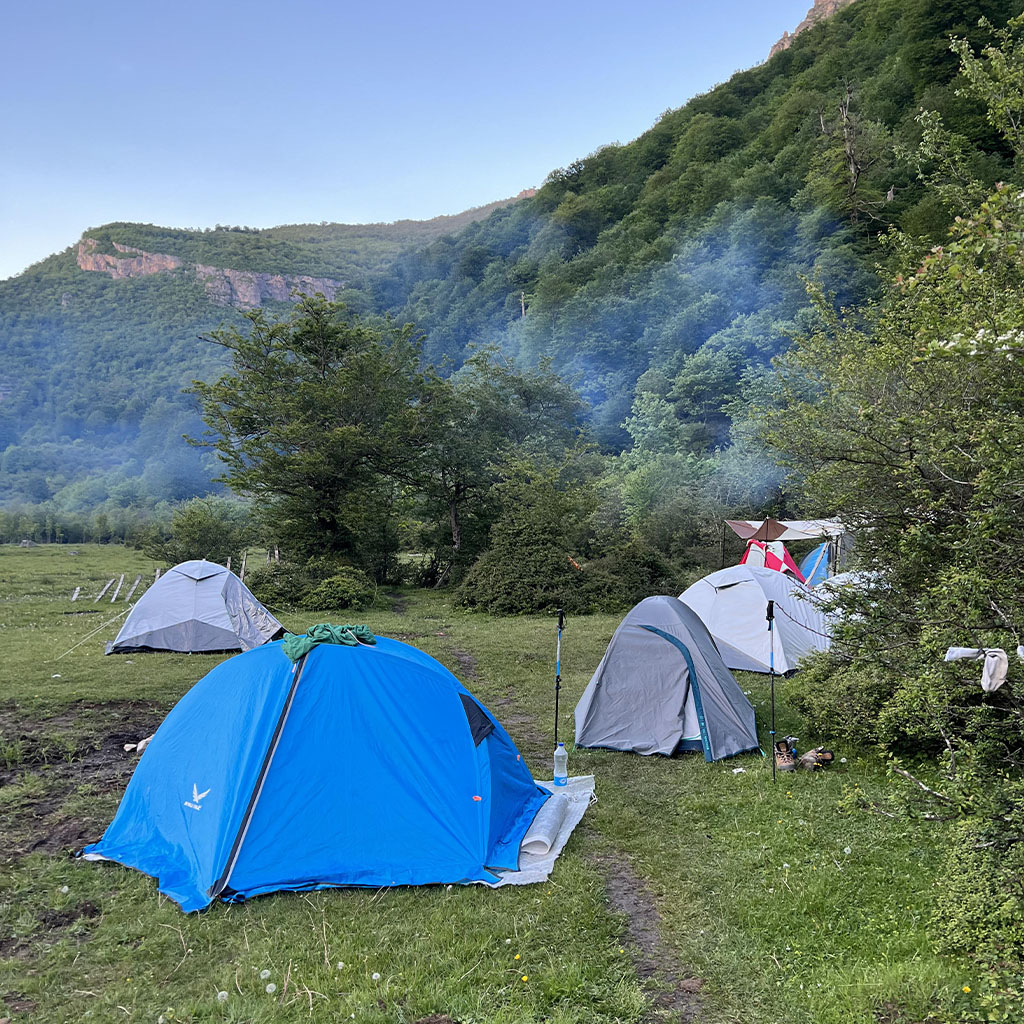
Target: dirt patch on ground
(57, 919)
(655, 963)
(17, 1003)
(466, 664)
(48, 760)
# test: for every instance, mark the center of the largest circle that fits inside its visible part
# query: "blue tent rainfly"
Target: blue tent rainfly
(356, 766)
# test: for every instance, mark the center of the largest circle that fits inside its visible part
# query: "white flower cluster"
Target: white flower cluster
(1009, 344)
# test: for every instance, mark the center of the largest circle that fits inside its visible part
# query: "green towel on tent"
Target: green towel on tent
(296, 645)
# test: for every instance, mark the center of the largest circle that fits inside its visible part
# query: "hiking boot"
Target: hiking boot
(784, 761)
(819, 757)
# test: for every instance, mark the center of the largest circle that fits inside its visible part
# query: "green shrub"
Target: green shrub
(980, 905)
(280, 584)
(629, 574)
(840, 699)
(536, 578)
(346, 588)
(211, 527)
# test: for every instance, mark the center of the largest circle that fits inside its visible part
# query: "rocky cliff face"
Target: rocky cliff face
(821, 10)
(243, 289)
(138, 265)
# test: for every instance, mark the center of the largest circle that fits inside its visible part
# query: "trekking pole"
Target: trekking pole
(771, 673)
(558, 667)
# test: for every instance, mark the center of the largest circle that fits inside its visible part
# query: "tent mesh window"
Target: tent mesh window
(479, 724)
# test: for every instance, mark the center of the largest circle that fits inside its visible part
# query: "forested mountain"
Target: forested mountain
(97, 343)
(683, 251)
(659, 275)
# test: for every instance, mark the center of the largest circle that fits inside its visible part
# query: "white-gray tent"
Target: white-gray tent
(196, 606)
(733, 604)
(662, 686)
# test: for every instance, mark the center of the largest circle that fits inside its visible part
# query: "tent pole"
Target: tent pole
(771, 673)
(558, 667)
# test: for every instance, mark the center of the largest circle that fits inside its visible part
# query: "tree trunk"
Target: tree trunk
(453, 515)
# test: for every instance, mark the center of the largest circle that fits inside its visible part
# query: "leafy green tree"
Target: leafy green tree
(532, 564)
(488, 413)
(906, 419)
(211, 528)
(320, 418)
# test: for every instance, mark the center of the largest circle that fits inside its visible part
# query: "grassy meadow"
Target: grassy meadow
(690, 891)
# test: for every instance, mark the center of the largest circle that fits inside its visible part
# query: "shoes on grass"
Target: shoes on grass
(819, 757)
(784, 760)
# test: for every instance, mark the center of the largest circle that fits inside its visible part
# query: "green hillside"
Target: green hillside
(658, 275)
(683, 250)
(93, 367)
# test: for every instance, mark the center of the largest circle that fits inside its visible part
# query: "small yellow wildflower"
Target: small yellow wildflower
(967, 988)
(526, 977)
(517, 956)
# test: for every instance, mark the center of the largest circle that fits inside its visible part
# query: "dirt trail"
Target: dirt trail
(675, 993)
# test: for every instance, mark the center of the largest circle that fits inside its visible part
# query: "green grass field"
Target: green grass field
(690, 891)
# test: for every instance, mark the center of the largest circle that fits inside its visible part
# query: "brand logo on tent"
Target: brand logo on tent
(196, 797)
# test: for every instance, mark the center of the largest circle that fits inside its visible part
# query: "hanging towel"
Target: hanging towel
(295, 646)
(993, 673)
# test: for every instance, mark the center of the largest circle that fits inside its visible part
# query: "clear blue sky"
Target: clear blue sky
(191, 114)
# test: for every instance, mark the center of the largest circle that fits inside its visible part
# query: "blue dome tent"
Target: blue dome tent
(365, 765)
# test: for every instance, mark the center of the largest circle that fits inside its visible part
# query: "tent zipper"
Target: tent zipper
(220, 885)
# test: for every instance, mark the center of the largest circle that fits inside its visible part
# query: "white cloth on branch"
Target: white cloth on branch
(993, 673)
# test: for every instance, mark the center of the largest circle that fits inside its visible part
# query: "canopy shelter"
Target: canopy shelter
(765, 545)
(662, 687)
(195, 607)
(733, 605)
(357, 765)
(786, 529)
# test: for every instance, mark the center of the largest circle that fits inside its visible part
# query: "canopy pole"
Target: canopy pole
(771, 673)
(558, 667)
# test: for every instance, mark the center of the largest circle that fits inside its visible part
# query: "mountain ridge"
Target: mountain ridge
(820, 10)
(242, 289)
(660, 275)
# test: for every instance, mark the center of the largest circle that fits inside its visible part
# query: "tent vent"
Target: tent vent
(479, 724)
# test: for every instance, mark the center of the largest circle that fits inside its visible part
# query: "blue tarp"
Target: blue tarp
(815, 567)
(370, 775)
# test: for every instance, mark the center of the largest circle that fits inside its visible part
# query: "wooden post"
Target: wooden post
(277, 554)
(117, 589)
(228, 566)
(74, 596)
(156, 575)
(241, 575)
(128, 596)
(108, 585)
(522, 302)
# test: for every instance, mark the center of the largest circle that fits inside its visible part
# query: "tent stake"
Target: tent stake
(558, 667)
(771, 673)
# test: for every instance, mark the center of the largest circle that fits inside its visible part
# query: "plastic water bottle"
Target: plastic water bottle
(561, 765)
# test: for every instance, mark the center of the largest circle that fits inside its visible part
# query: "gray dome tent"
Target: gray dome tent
(662, 686)
(196, 606)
